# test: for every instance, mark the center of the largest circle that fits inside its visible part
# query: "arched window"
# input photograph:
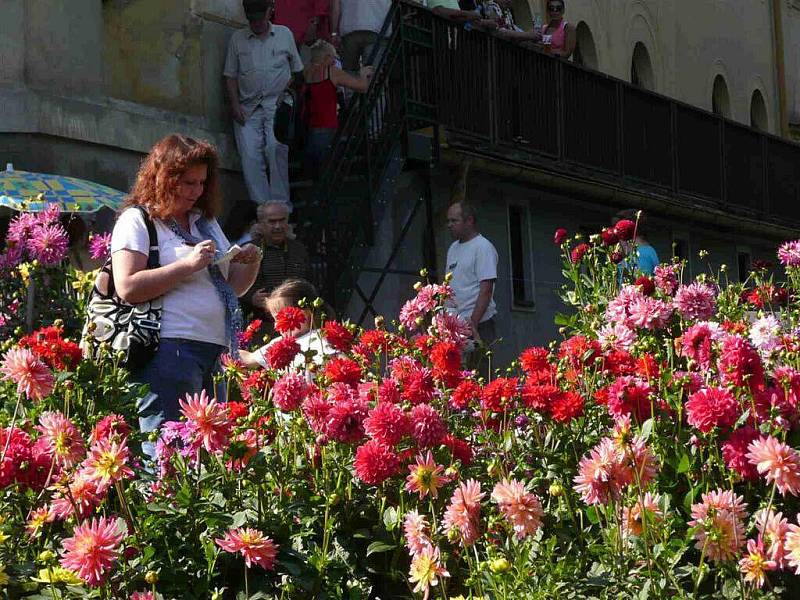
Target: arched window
(758, 112)
(720, 98)
(585, 50)
(642, 67)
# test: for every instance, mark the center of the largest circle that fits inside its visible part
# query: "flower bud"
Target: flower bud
(423, 272)
(379, 321)
(418, 286)
(499, 565)
(45, 556)
(556, 490)
(448, 278)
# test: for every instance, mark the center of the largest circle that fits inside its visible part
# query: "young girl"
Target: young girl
(308, 336)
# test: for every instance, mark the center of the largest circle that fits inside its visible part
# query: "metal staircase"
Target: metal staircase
(367, 154)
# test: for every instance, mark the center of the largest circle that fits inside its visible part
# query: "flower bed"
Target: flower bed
(649, 453)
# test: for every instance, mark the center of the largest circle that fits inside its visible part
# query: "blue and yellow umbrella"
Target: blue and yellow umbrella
(33, 192)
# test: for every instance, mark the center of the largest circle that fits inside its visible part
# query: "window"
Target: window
(519, 238)
(585, 50)
(642, 68)
(720, 98)
(744, 263)
(682, 251)
(758, 112)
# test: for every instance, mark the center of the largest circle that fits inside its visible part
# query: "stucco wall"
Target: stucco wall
(691, 42)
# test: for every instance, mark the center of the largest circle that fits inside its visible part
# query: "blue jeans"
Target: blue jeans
(179, 367)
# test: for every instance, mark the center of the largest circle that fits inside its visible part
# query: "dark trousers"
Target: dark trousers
(476, 359)
(179, 367)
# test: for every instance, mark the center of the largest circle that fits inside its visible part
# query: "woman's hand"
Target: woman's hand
(202, 255)
(250, 253)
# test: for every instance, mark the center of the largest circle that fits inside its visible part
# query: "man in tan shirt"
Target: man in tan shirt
(259, 67)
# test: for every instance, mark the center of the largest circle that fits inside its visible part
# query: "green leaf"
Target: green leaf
(683, 465)
(647, 429)
(591, 513)
(390, 519)
(377, 547)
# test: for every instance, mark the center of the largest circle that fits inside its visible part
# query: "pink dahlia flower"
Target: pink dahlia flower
(772, 530)
(666, 279)
(777, 462)
(31, 375)
(645, 512)
(426, 569)
(712, 407)
(107, 463)
(100, 246)
(719, 520)
(426, 476)
(63, 439)
(48, 243)
(696, 301)
(520, 507)
(734, 451)
(416, 531)
(427, 426)
(756, 563)
(93, 549)
(463, 513)
(253, 545)
(208, 421)
(648, 313)
(289, 392)
(789, 253)
(791, 547)
(387, 423)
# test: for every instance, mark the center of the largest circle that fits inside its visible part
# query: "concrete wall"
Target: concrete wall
(116, 75)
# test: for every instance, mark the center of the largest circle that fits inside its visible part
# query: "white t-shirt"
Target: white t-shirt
(312, 340)
(193, 309)
(470, 263)
(363, 15)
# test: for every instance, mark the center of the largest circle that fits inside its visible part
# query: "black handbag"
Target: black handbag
(133, 329)
(291, 123)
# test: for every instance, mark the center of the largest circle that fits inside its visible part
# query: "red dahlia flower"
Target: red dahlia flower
(281, 352)
(289, 318)
(578, 252)
(338, 336)
(625, 229)
(375, 462)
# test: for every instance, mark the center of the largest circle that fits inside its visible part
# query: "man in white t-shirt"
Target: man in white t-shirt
(472, 260)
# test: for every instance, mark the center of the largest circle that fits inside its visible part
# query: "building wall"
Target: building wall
(690, 43)
(116, 75)
(546, 211)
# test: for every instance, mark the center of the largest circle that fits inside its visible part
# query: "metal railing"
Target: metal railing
(514, 103)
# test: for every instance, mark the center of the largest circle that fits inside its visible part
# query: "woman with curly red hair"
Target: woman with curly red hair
(177, 188)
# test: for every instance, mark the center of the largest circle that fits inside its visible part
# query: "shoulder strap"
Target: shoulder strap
(153, 257)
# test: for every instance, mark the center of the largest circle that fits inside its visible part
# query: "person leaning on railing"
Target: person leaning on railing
(322, 79)
(558, 36)
(451, 10)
